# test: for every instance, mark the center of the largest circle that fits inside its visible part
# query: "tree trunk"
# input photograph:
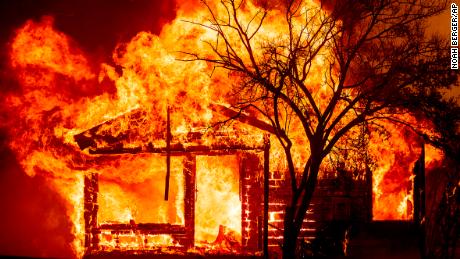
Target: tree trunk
(289, 235)
(296, 211)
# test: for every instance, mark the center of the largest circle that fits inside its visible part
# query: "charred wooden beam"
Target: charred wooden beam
(98, 134)
(84, 140)
(260, 231)
(168, 153)
(116, 149)
(190, 198)
(419, 199)
(194, 136)
(242, 117)
(90, 193)
(368, 195)
(419, 188)
(145, 228)
(175, 149)
(89, 137)
(266, 191)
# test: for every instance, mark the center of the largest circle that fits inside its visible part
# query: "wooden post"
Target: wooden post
(190, 198)
(422, 203)
(266, 191)
(168, 153)
(419, 188)
(422, 183)
(90, 192)
(368, 199)
(419, 199)
(260, 233)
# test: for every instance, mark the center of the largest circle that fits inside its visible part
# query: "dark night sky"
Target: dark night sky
(32, 219)
(96, 25)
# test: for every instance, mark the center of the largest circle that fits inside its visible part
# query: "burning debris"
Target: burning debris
(206, 195)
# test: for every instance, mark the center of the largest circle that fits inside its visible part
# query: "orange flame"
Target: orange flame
(56, 104)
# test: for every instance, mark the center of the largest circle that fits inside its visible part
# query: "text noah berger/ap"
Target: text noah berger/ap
(454, 36)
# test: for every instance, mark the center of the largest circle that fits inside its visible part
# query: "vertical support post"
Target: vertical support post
(189, 199)
(419, 199)
(168, 153)
(260, 235)
(422, 183)
(416, 170)
(251, 175)
(266, 191)
(422, 203)
(90, 192)
(369, 195)
(419, 188)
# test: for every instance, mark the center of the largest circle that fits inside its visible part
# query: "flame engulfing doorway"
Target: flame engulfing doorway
(209, 187)
(218, 203)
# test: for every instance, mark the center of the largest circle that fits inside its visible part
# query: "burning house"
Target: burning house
(238, 209)
(150, 156)
(220, 213)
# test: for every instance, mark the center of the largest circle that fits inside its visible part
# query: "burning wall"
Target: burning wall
(211, 205)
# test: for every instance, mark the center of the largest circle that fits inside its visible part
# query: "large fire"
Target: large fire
(63, 95)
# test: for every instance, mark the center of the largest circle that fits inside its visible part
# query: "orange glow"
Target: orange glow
(395, 158)
(135, 191)
(218, 202)
(41, 46)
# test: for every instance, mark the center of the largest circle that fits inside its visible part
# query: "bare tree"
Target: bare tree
(374, 60)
